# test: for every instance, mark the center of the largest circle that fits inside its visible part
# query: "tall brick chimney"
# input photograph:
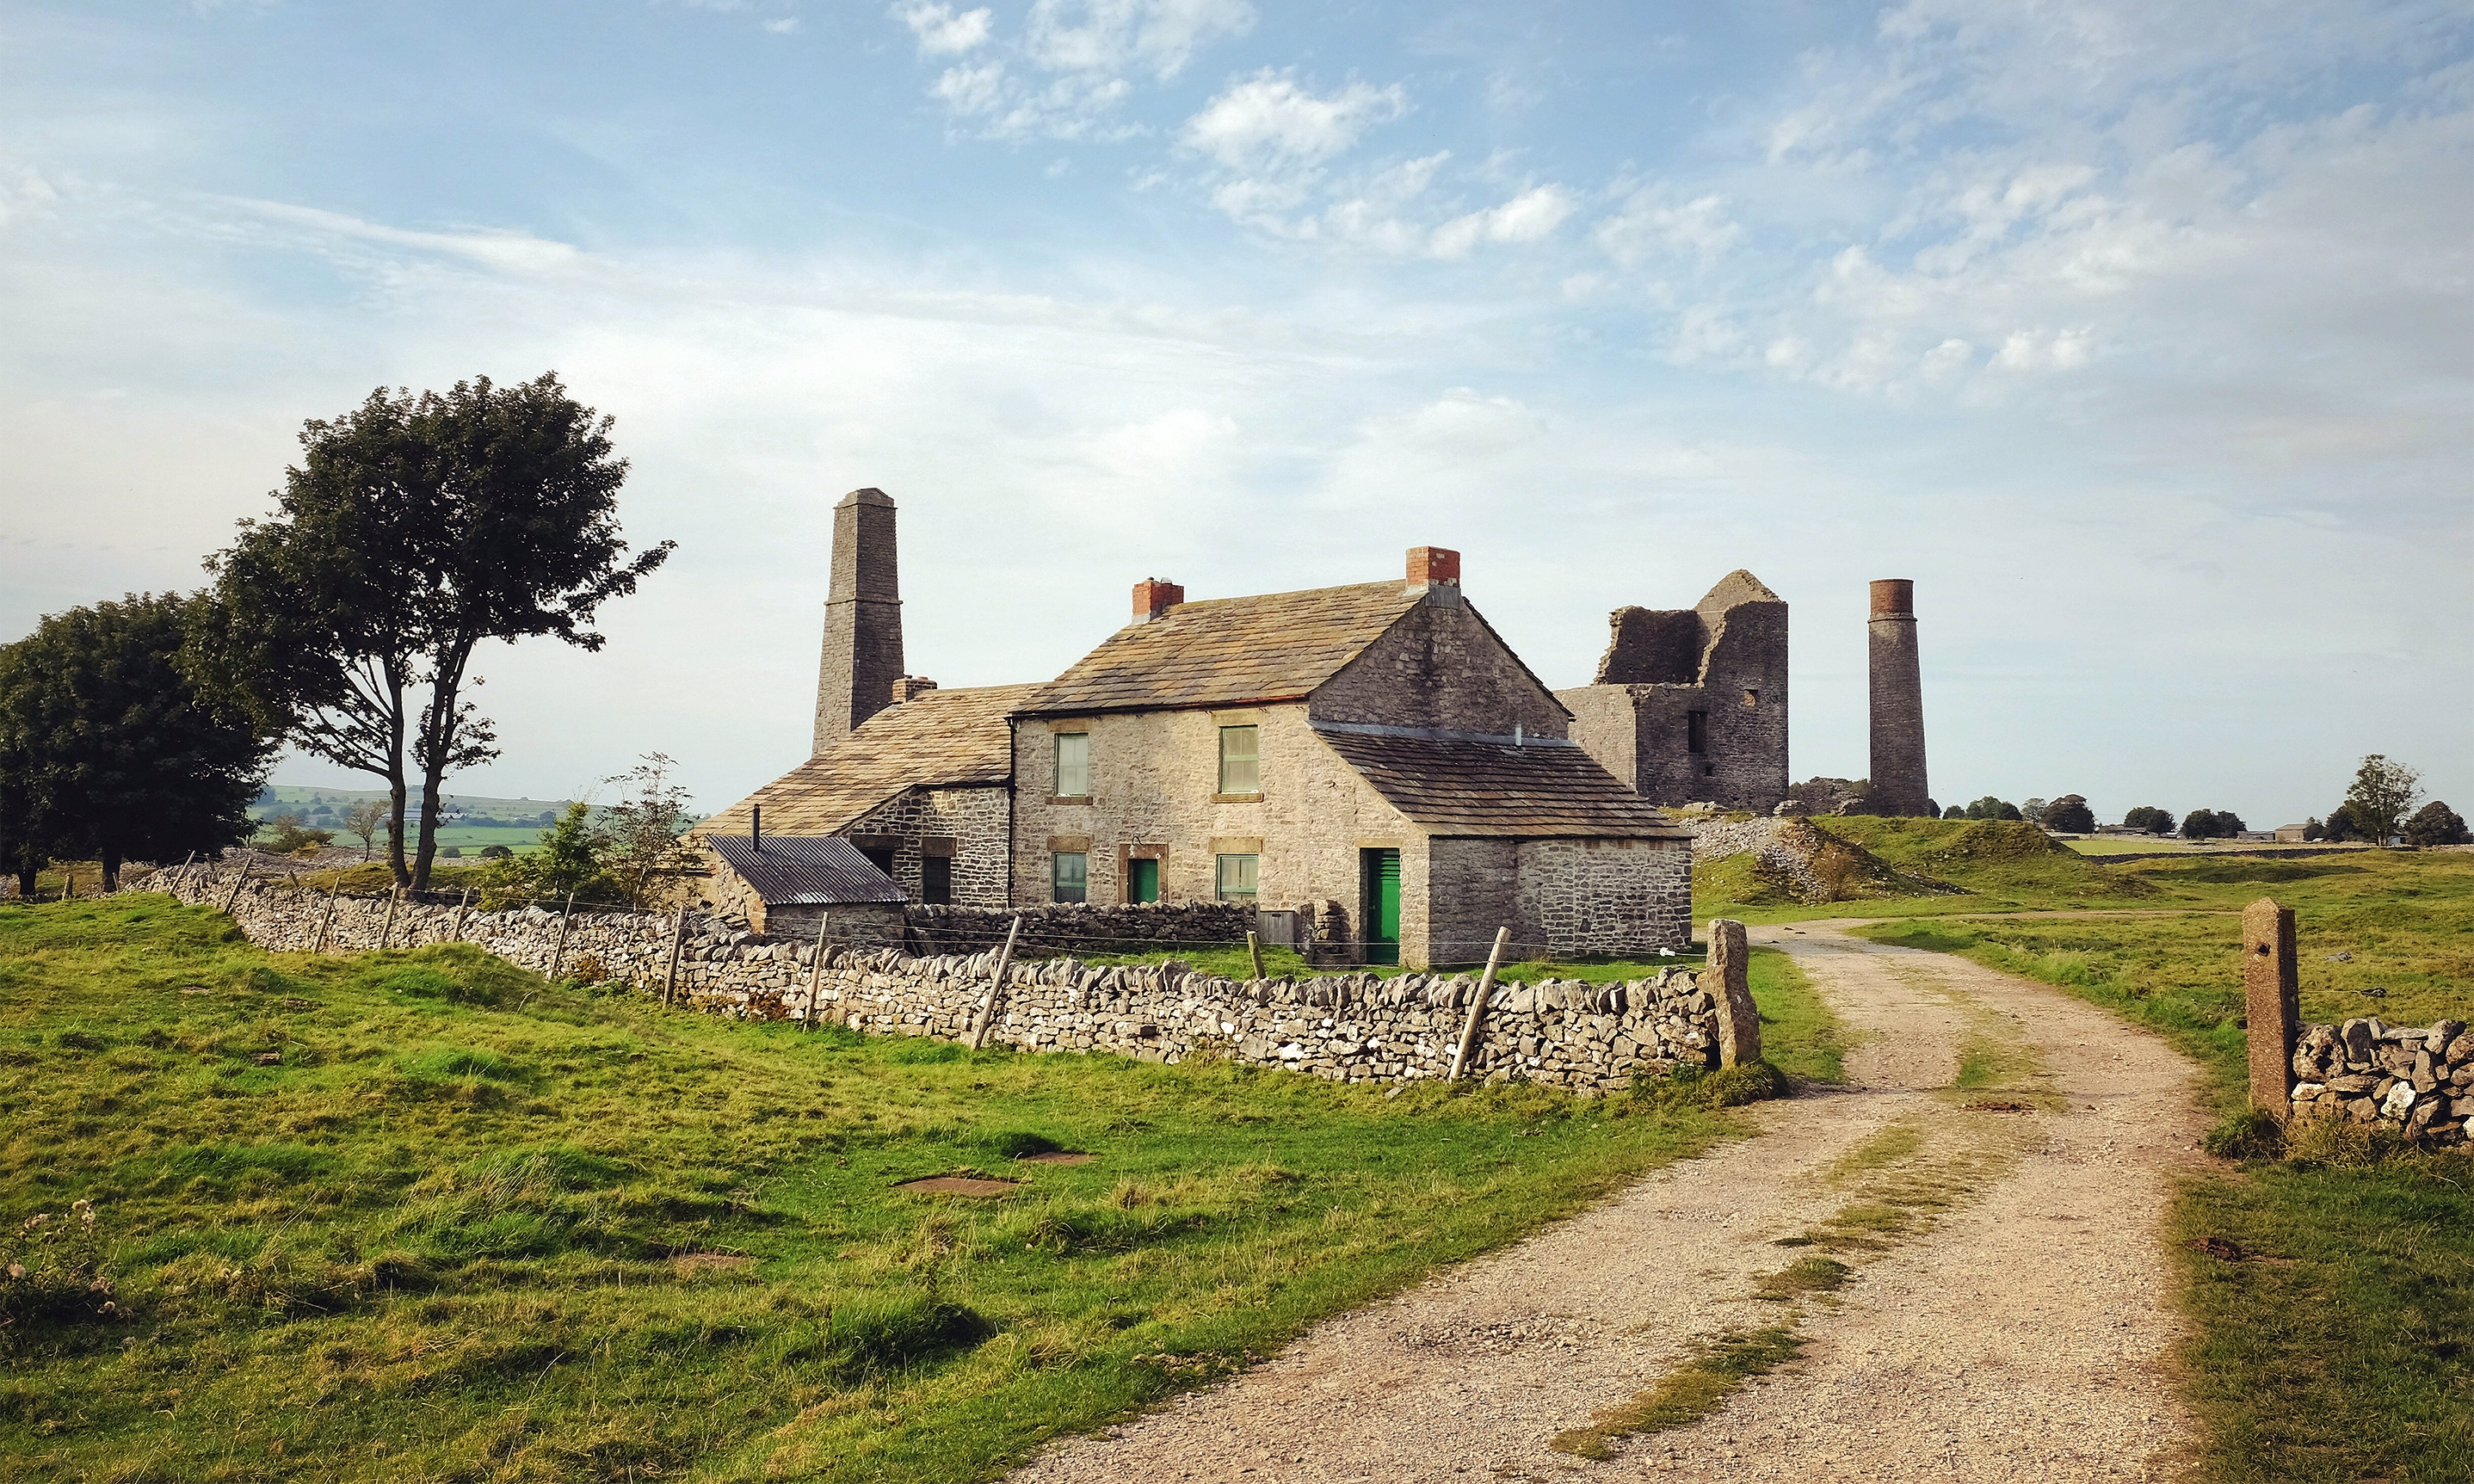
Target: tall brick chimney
(1153, 597)
(1899, 784)
(863, 649)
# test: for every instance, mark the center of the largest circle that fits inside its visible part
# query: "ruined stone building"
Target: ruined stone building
(1689, 705)
(1374, 754)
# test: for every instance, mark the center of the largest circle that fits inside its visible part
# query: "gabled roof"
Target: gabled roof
(1462, 786)
(1229, 650)
(940, 738)
(806, 870)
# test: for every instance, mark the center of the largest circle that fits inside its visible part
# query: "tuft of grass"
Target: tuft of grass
(468, 1224)
(1718, 1368)
(1805, 1275)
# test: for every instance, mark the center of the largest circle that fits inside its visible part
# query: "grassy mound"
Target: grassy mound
(421, 1215)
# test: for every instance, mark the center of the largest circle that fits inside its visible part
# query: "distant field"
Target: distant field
(514, 823)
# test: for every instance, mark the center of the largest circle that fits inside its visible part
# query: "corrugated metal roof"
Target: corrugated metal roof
(806, 870)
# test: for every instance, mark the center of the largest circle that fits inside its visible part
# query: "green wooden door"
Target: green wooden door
(1381, 910)
(1141, 880)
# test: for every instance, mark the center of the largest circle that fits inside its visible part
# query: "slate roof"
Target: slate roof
(940, 738)
(1227, 651)
(806, 870)
(1452, 786)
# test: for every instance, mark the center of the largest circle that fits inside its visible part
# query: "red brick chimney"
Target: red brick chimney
(1432, 564)
(1153, 597)
(910, 685)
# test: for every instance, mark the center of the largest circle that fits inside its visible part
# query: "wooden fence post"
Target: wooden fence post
(2273, 995)
(456, 931)
(327, 920)
(1739, 1020)
(246, 862)
(559, 952)
(1464, 1055)
(816, 970)
(678, 936)
(1254, 951)
(386, 933)
(996, 987)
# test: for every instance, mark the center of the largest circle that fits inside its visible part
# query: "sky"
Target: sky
(2139, 335)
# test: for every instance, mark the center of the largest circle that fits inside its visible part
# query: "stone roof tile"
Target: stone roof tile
(1229, 650)
(940, 738)
(1455, 786)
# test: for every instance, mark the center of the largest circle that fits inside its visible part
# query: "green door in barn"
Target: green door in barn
(1141, 880)
(1381, 910)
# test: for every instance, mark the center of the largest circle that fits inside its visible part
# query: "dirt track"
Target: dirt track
(2017, 1337)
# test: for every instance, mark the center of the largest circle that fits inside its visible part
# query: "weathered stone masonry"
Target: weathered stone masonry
(2418, 1081)
(1587, 1038)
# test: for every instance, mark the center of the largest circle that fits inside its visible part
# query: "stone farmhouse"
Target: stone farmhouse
(1372, 758)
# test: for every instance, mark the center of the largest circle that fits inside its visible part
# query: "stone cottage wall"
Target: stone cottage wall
(1624, 898)
(1051, 930)
(1586, 1038)
(2418, 1081)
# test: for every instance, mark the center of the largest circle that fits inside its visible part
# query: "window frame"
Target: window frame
(1057, 860)
(1253, 786)
(1056, 765)
(1220, 866)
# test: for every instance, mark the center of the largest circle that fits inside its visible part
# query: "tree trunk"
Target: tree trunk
(111, 871)
(26, 883)
(439, 746)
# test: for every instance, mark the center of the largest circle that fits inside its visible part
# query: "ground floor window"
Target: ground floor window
(1070, 876)
(936, 880)
(1237, 876)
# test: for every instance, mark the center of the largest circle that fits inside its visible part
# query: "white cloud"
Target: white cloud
(941, 33)
(1268, 122)
(1158, 37)
(509, 250)
(969, 89)
(1647, 227)
(1527, 217)
(783, 25)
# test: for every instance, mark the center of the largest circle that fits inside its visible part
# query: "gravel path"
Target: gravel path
(2019, 1337)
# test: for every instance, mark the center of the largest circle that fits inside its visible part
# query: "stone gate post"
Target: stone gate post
(1729, 981)
(2272, 992)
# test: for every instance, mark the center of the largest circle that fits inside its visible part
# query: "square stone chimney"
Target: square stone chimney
(1153, 597)
(910, 685)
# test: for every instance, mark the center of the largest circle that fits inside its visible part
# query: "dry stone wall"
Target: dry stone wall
(1587, 1038)
(2416, 1080)
(1051, 930)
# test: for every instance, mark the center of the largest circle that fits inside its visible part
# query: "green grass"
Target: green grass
(1998, 867)
(2340, 1344)
(422, 1216)
(1693, 1391)
(1799, 1035)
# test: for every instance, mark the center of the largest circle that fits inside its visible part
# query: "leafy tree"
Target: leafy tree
(366, 819)
(2436, 824)
(2212, 825)
(2340, 825)
(2033, 810)
(2149, 818)
(1989, 807)
(287, 835)
(570, 859)
(641, 834)
(413, 529)
(2314, 831)
(1954, 812)
(2379, 797)
(2070, 815)
(113, 748)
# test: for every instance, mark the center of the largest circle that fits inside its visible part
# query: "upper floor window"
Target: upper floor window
(1696, 732)
(1074, 765)
(1241, 760)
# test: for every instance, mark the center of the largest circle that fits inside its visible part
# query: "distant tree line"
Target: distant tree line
(414, 529)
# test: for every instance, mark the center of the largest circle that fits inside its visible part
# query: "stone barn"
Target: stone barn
(796, 886)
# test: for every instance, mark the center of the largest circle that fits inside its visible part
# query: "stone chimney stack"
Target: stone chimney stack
(1897, 701)
(863, 649)
(910, 687)
(1153, 597)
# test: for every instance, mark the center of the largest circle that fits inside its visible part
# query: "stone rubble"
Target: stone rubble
(2415, 1081)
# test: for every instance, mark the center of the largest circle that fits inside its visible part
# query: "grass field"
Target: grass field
(422, 1216)
(2341, 1346)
